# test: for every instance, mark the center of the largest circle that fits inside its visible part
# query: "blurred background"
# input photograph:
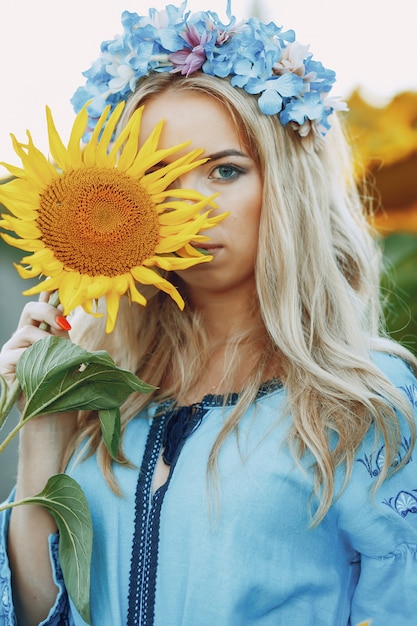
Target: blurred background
(372, 45)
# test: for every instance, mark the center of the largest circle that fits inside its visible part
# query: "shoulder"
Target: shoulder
(380, 520)
(399, 372)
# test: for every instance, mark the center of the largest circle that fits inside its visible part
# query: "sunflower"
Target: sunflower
(98, 220)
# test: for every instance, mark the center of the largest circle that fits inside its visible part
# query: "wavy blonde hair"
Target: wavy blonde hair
(317, 278)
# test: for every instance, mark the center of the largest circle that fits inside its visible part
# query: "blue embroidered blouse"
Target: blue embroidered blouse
(172, 559)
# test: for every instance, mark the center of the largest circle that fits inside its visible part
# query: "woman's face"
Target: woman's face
(230, 172)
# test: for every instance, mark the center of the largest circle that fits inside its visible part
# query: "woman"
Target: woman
(270, 476)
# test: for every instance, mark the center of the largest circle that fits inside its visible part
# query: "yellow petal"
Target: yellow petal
(27, 229)
(25, 272)
(172, 263)
(145, 161)
(13, 170)
(51, 268)
(23, 244)
(5, 224)
(90, 150)
(58, 150)
(187, 215)
(88, 307)
(98, 287)
(19, 189)
(123, 136)
(121, 284)
(102, 156)
(74, 144)
(158, 186)
(134, 294)
(150, 145)
(187, 231)
(175, 242)
(188, 251)
(112, 306)
(183, 194)
(40, 257)
(37, 167)
(167, 287)
(50, 284)
(144, 275)
(171, 245)
(216, 219)
(179, 212)
(70, 293)
(130, 148)
(147, 276)
(19, 208)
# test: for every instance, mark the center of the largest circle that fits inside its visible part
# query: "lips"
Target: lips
(210, 248)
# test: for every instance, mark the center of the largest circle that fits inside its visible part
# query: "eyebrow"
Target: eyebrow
(226, 153)
(216, 156)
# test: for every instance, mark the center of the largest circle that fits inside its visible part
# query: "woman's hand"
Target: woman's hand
(29, 330)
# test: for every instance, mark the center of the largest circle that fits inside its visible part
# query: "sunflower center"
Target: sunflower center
(98, 221)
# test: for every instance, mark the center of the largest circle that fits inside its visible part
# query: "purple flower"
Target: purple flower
(191, 59)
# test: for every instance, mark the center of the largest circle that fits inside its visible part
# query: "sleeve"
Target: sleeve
(382, 526)
(60, 614)
(386, 593)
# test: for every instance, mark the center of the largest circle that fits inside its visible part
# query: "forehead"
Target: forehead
(190, 116)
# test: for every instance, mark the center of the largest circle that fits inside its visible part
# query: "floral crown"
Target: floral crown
(260, 58)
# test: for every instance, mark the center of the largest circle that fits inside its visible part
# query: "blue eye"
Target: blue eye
(226, 172)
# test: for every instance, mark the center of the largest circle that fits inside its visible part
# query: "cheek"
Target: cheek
(245, 232)
(251, 219)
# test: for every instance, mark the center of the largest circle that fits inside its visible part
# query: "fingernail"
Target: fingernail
(63, 322)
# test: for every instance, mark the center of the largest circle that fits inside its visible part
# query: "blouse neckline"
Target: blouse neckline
(212, 400)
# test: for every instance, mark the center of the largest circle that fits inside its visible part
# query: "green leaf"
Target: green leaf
(66, 502)
(110, 428)
(57, 376)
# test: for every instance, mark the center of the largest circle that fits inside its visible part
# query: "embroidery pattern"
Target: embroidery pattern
(140, 611)
(403, 504)
(411, 393)
(144, 559)
(374, 463)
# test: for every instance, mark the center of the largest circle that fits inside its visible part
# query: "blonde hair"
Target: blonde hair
(317, 278)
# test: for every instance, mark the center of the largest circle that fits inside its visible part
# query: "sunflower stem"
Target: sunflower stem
(3, 394)
(10, 399)
(12, 434)
(53, 301)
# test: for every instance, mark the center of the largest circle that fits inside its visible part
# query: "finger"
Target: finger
(9, 359)
(34, 313)
(44, 296)
(24, 337)
(15, 347)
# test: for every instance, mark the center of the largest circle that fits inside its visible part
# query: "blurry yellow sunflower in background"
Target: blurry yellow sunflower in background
(101, 218)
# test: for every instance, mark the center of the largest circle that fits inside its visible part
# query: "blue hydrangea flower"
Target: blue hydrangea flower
(274, 90)
(310, 106)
